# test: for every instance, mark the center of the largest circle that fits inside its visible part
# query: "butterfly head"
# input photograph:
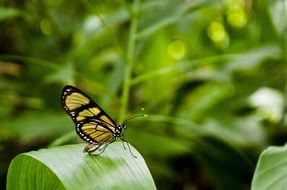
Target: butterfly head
(119, 130)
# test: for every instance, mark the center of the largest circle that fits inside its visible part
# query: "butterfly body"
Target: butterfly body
(93, 125)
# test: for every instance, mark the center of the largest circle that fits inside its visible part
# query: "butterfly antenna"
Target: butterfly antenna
(134, 116)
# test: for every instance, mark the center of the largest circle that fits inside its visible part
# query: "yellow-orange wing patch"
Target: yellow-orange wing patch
(75, 100)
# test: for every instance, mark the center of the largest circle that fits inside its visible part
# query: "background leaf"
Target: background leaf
(271, 169)
(7, 13)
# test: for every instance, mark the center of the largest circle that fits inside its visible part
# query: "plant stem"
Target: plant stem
(284, 45)
(129, 59)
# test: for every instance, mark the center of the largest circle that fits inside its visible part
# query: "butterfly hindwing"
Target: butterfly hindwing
(93, 131)
(92, 123)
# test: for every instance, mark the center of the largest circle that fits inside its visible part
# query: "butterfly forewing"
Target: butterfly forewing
(92, 123)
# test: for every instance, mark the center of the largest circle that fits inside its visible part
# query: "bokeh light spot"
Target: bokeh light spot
(218, 35)
(237, 18)
(46, 27)
(176, 49)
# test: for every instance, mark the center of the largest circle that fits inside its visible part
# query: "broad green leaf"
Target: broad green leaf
(67, 167)
(271, 169)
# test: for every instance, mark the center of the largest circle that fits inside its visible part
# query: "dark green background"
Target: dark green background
(210, 75)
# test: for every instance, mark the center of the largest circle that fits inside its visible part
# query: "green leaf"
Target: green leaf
(6, 13)
(67, 167)
(271, 169)
(169, 13)
(63, 75)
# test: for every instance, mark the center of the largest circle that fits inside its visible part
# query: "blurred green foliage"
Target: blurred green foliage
(210, 74)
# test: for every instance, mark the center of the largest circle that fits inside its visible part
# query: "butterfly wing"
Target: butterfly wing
(93, 131)
(92, 124)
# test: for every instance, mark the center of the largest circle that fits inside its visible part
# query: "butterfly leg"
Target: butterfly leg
(105, 146)
(123, 140)
(123, 143)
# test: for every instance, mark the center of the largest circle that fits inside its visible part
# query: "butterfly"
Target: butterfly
(92, 123)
